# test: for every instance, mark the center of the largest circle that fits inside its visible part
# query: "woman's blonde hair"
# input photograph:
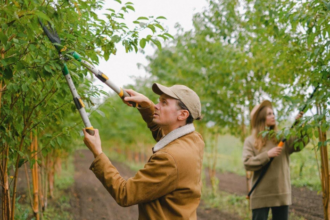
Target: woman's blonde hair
(259, 125)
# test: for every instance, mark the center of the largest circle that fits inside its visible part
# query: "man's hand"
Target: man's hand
(138, 98)
(300, 115)
(93, 142)
(274, 152)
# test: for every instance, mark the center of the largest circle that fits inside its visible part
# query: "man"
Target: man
(169, 185)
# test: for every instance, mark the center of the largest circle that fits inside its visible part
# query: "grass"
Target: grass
(228, 155)
(66, 178)
(229, 203)
(58, 208)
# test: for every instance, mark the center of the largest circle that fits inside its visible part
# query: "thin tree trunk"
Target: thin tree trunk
(15, 177)
(46, 182)
(58, 166)
(41, 194)
(324, 169)
(51, 176)
(6, 191)
(34, 150)
(28, 184)
(136, 157)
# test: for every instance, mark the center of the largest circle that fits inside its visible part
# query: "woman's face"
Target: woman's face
(270, 118)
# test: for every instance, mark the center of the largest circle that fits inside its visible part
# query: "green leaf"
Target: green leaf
(161, 17)
(106, 55)
(152, 28)
(157, 43)
(40, 14)
(159, 26)
(25, 87)
(316, 51)
(110, 9)
(59, 141)
(8, 73)
(130, 7)
(48, 69)
(3, 38)
(21, 162)
(168, 35)
(143, 42)
(115, 38)
(142, 18)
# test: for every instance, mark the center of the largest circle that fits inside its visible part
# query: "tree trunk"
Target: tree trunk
(28, 184)
(58, 166)
(46, 182)
(136, 157)
(324, 169)
(51, 176)
(41, 192)
(6, 191)
(35, 179)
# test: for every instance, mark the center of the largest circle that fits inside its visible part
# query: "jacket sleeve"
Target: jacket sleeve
(290, 144)
(156, 179)
(147, 115)
(251, 161)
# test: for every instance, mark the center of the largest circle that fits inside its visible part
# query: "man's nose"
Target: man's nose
(157, 106)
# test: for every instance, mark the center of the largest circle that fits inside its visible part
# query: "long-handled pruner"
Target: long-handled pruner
(52, 35)
(54, 38)
(101, 76)
(281, 144)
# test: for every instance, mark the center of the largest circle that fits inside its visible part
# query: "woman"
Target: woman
(274, 190)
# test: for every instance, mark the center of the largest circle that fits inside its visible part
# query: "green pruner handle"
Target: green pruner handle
(124, 94)
(90, 130)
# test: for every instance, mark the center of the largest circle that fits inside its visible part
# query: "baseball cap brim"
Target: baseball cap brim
(160, 89)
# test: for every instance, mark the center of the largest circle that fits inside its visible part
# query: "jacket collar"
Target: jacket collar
(173, 135)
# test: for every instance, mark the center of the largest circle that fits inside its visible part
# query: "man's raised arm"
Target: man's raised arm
(146, 109)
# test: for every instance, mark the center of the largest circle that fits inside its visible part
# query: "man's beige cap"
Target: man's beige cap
(189, 98)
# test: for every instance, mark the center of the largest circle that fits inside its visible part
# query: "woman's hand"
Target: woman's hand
(274, 152)
(138, 98)
(93, 142)
(299, 116)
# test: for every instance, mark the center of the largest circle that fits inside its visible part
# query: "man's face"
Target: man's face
(166, 111)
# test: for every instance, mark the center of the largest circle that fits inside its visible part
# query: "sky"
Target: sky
(120, 67)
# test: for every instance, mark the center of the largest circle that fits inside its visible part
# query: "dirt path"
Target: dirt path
(91, 201)
(306, 203)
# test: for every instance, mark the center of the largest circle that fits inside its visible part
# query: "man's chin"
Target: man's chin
(156, 121)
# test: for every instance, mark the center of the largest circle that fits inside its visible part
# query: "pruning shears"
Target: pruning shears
(54, 38)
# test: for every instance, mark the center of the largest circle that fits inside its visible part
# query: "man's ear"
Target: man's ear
(183, 115)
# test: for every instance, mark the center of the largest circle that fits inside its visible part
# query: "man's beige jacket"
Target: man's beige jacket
(169, 186)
